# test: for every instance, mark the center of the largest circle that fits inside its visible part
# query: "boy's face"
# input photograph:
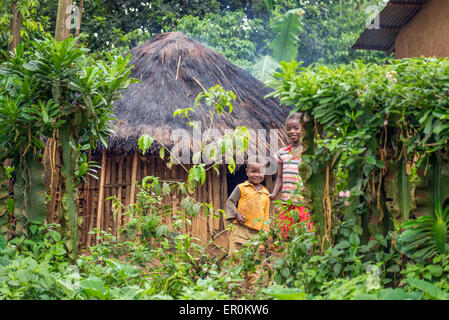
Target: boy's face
(255, 172)
(294, 129)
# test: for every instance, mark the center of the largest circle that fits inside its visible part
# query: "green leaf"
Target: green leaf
(429, 289)
(286, 293)
(166, 188)
(435, 270)
(162, 152)
(397, 294)
(264, 69)
(371, 160)
(269, 4)
(196, 158)
(286, 30)
(145, 141)
(337, 269)
(196, 209)
(354, 239)
(439, 235)
(2, 241)
(94, 287)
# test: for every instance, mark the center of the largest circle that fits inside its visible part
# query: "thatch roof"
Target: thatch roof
(172, 68)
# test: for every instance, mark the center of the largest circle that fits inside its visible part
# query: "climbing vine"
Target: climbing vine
(385, 126)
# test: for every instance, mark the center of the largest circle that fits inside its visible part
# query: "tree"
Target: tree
(18, 23)
(63, 20)
(232, 34)
(16, 26)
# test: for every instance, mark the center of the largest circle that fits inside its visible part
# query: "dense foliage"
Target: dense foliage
(242, 31)
(55, 91)
(380, 134)
(375, 167)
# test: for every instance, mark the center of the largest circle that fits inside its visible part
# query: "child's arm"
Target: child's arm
(231, 207)
(277, 184)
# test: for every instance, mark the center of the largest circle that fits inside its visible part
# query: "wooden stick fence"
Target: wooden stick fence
(116, 177)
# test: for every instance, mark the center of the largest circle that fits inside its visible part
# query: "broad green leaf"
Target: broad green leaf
(287, 30)
(286, 293)
(264, 69)
(145, 141)
(439, 235)
(429, 289)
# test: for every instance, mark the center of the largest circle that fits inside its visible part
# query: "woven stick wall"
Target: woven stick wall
(115, 179)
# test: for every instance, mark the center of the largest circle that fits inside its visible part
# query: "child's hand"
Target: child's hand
(272, 196)
(240, 218)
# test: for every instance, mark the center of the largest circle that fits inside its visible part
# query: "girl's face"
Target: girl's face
(294, 130)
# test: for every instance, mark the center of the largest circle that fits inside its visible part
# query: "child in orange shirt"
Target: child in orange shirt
(248, 205)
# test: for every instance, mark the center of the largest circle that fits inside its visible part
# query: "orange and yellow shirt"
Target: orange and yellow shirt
(251, 203)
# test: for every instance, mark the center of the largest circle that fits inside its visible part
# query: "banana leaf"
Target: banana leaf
(264, 69)
(433, 185)
(400, 190)
(286, 30)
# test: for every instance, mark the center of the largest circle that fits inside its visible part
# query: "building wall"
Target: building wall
(427, 34)
(119, 170)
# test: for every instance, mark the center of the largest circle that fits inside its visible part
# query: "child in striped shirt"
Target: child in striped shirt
(288, 178)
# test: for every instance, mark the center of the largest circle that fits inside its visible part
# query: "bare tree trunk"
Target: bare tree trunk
(80, 14)
(63, 20)
(15, 26)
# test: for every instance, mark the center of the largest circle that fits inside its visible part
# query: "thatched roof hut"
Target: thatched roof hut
(173, 70)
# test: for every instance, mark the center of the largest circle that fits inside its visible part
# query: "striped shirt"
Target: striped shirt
(291, 180)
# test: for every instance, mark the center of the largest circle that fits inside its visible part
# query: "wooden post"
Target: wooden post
(224, 193)
(195, 219)
(101, 193)
(269, 184)
(133, 178)
(145, 167)
(152, 166)
(128, 180)
(119, 195)
(89, 207)
(210, 201)
(87, 214)
(107, 216)
(216, 200)
(114, 171)
(203, 220)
